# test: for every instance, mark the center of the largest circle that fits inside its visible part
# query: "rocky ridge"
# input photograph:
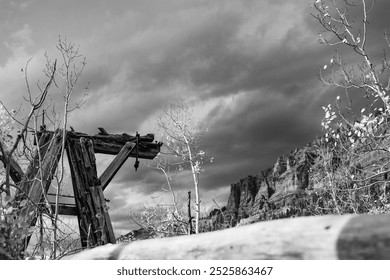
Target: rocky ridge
(294, 186)
(277, 192)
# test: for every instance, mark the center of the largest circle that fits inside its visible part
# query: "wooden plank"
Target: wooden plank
(116, 164)
(325, 237)
(94, 222)
(111, 138)
(36, 181)
(107, 220)
(43, 176)
(105, 226)
(146, 150)
(111, 144)
(100, 226)
(16, 172)
(80, 184)
(33, 168)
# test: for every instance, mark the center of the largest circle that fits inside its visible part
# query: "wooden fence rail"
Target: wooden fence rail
(324, 237)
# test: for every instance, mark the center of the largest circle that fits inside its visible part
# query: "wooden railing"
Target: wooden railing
(324, 237)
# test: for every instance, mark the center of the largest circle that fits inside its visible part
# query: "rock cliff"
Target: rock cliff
(295, 185)
(279, 191)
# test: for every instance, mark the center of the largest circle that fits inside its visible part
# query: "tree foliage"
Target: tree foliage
(354, 155)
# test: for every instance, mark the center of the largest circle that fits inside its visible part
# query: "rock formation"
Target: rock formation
(295, 185)
(278, 191)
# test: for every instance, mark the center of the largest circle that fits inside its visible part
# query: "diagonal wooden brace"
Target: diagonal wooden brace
(40, 184)
(116, 164)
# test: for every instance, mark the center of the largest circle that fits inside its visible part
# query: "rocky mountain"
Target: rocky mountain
(271, 190)
(294, 186)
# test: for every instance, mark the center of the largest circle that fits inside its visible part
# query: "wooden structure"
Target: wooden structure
(90, 205)
(325, 237)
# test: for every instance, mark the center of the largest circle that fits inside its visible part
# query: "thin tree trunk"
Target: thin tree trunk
(171, 190)
(196, 186)
(197, 202)
(189, 214)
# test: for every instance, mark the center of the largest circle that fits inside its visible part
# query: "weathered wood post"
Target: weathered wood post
(39, 175)
(94, 221)
(36, 182)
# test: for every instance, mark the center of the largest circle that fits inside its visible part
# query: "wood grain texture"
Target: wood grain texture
(16, 172)
(325, 237)
(94, 222)
(112, 143)
(43, 176)
(33, 168)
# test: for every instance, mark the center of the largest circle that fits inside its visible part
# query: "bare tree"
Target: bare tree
(366, 72)
(70, 72)
(64, 78)
(165, 163)
(183, 141)
(10, 229)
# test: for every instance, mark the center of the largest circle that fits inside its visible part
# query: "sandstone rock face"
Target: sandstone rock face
(274, 189)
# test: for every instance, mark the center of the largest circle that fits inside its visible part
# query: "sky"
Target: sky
(249, 68)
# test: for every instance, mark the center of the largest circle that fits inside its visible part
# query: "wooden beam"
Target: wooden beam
(94, 223)
(16, 171)
(111, 138)
(107, 220)
(116, 164)
(83, 177)
(325, 237)
(41, 181)
(82, 213)
(111, 144)
(146, 150)
(26, 182)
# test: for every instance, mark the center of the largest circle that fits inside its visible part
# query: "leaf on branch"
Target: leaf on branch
(327, 115)
(9, 210)
(23, 203)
